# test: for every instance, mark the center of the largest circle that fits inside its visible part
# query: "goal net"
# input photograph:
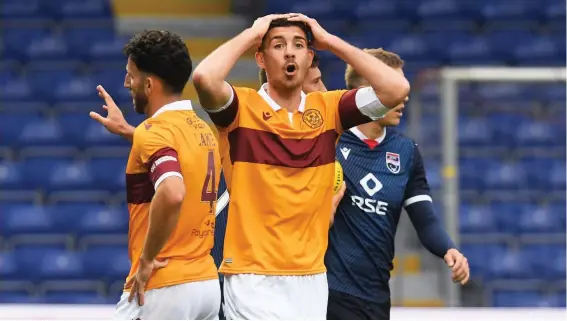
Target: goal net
(493, 142)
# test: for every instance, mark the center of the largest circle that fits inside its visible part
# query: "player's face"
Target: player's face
(285, 57)
(134, 81)
(313, 81)
(394, 116)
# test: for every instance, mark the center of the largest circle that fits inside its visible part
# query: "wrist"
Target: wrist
(126, 130)
(145, 260)
(252, 37)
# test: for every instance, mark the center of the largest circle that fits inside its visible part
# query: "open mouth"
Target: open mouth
(290, 69)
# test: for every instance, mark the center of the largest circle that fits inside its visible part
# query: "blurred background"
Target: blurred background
(63, 218)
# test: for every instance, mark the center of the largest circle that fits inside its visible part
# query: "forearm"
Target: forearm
(164, 216)
(430, 229)
(128, 133)
(211, 73)
(390, 85)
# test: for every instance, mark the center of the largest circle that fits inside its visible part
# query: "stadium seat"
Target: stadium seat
(29, 258)
(110, 262)
(109, 172)
(13, 9)
(477, 219)
(10, 175)
(8, 266)
(534, 218)
(76, 9)
(20, 219)
(515, 299)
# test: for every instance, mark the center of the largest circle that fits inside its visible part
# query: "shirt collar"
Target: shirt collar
(361, 136)
(176, 105)
(264, 94)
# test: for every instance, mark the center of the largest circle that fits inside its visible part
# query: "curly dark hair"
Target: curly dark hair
(163, 54)
(283, 22)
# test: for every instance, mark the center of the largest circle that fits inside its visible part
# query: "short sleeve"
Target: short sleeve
(156, 147)
(227, 114)
(417, 188)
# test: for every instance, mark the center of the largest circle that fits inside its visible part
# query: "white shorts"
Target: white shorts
(187, 301)
(262, 297)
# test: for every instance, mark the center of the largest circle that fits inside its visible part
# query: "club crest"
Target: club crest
(393, 162)
(313, 118)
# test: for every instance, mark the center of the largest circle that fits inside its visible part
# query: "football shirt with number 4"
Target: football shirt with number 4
(175, 142)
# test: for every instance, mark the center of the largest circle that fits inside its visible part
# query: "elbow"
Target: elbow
(397, 92)
(176, 198)
(199, 78)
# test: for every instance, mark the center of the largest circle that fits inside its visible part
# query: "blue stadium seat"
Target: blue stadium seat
(29, 258)
(477, 219)
(16, 40)
(25, 219)
(14, 9)
(474, 131)
(109, 172)
(504, 10)
(16, 296)
(410, 46)
(512, 264)
(10, 175)
(502, 42)
(436, 9)
(470, 174)
(11, 127)
(41, 132)
(60, 265)
(8, 265)
(107, 261)
(539, 133)
(505, 175)
(468, 50)
(377, 9)
(108, 48)
(15, 89)
(80, 39)
(479, 255)
(537, 50)
(533, 218)
(75, 9)
(58, 173)
(553, 10)
(99, 220)
(515, 299)
(48, 47)
(74, 297)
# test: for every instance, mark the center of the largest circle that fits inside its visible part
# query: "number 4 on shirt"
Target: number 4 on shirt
(209, 193)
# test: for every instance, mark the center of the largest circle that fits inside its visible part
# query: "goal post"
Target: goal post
(450, 78)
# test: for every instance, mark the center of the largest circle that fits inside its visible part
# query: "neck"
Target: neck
(288, 99)
(157, 103)
(372, 130)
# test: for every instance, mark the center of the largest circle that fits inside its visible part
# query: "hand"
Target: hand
(139, 280)
(336, 200)
(114, 121)
(262, 24)
(321, 37)
(459, 266)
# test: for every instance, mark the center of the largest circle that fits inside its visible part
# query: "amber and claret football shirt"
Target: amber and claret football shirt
(279, 168)
(175, 142)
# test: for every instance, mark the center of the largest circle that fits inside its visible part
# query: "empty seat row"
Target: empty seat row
(41, 263)
(424, 9)
(74, 129)
(57, 9)
(77, 218)
(513, 217)
(530, 262)
(525, 299)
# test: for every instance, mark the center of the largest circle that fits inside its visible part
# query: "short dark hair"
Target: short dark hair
(283, 22)
(264, 77)
(163, 54)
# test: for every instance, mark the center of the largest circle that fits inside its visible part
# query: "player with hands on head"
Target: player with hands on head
(171, 177)
(274, 250)
(384, 173)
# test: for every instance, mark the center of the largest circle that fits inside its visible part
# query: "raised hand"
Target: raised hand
(114, 121)
(262, 24)
(321, 37)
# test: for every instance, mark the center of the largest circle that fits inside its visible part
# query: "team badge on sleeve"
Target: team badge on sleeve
(393, 162)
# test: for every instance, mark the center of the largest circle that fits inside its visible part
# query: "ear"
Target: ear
(260, 59)
(310, 54)
(149, 85)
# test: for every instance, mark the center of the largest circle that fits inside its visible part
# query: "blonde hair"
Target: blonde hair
(353, 79)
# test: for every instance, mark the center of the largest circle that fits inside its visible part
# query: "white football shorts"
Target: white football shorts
(263, 297)
(187, 301)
